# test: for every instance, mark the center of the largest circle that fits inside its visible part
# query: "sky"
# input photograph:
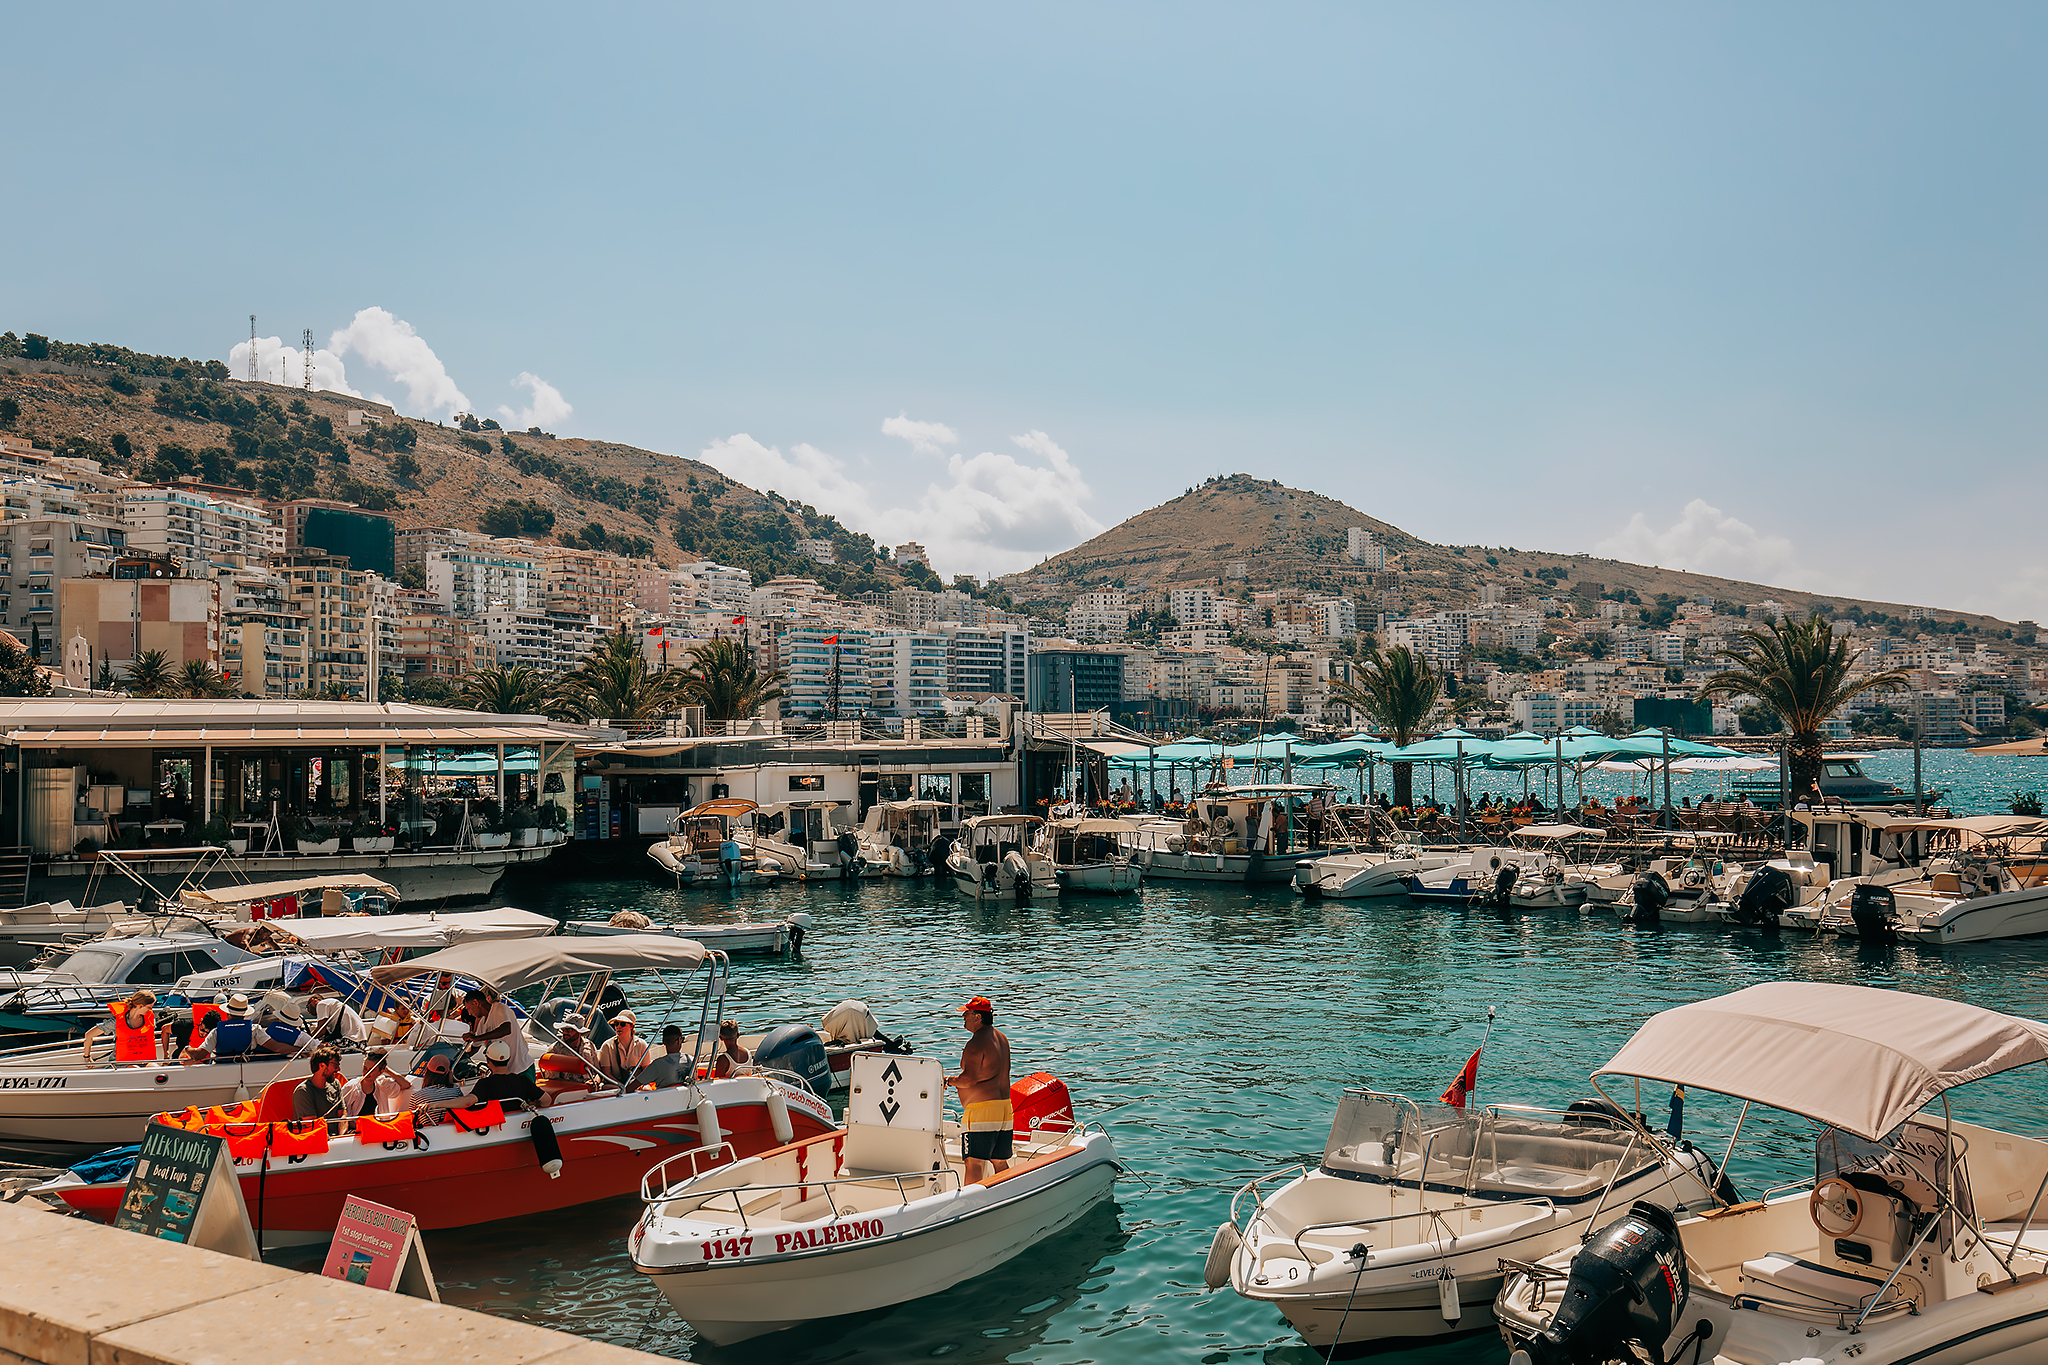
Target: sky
(1749, 289)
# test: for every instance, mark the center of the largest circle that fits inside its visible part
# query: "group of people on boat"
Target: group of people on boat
(230, 1028)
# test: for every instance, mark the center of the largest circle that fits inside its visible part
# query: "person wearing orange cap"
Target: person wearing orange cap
(986, 1118)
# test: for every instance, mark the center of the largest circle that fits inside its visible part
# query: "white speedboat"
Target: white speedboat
(26, 931)
(1400, 1231)
(1915, 1238)
(1350, 875)
(811, 841)
(1092, 855)
(1236, 834)
(1484, 874)
(691, 853)
(1992, 884)
(878, 1213)
(897, 836)
(994, 860)
(749, 936)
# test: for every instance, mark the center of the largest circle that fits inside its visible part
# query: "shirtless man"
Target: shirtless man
(986, 1118)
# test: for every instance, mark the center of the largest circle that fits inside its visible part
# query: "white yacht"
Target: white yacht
(691, 852)
(1990, 883)
(897, 836)
(1092, 854)
(1400, 1231)
(1352, 875)
(995, 860)
(1918, 1237)
(810, 841)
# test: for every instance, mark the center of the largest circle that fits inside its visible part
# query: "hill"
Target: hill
(154, 417)
(1290, 537)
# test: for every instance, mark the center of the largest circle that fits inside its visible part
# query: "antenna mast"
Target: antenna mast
(252, 348)
(306, 360)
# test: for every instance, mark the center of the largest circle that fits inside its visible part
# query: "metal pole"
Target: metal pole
(1785, 792)
(1919, 800)
(1667, 779)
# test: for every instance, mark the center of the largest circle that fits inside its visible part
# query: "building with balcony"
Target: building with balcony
(331, 595)
(209, 534)
(906, 673)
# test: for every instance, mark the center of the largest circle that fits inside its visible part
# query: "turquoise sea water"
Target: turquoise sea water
(1211, 1029)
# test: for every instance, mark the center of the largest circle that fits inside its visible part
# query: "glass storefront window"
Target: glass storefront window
(935, 787)
(892, 787)
(974, 790)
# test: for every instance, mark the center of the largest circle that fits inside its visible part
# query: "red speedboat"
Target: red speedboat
(486, 1164)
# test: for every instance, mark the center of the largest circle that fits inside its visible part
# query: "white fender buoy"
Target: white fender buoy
(778, 1115)
(1222, 1251)
(1447, 1295)
(707, 1122)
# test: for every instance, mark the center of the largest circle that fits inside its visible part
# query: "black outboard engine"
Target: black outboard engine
(1770, 890)
(1503, 886)
(796, 1048)
(1875, 912)
(1628, 1287)
(1651, 893)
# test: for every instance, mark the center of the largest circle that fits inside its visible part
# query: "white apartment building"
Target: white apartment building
(1439, 638)
(809, 654)
(263, 635)
(1361, 549)
(1183, 675)
(412, 544)
(1547, 713)
(906, 672)
(1667, 647)
(210, 536)
(703, 586)
(469, 582)
(1098, 616)
(1203, 607)
(550, 641)
(985, 658)
(1199, 638)
(1334, 616)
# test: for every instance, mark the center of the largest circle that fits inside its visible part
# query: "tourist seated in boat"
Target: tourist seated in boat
(491, 1019)
(730, 1056)
(625, 1052)
(132, 1024)
(319, 1095)
(502, 1083)
(567, 1065)
(182, 1028)
(437, 1090)
(236, 1035)
(281, 1024)
(334, 1019)
(671, 1068)
(381, 1089)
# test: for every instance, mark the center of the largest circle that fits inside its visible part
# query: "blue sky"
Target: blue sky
(1751, 289)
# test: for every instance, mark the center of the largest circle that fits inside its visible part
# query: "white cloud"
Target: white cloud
(926, 438)
(390, 344)
(277, 363)
(547, 409)
(992, 513)
(1706, 540)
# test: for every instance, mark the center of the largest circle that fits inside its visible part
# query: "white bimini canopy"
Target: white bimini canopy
(509, 964)
(221, 896)
(1859, 1059)
(336, 933)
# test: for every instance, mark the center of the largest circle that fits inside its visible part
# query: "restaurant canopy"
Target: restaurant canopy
(134, 722)
(1861, 1059)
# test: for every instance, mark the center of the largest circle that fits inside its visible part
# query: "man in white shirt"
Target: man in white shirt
(490, 1019)
(381, 1089)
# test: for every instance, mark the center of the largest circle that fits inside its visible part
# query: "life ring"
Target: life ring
(1836, 1207)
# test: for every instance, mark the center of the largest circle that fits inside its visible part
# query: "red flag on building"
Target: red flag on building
(1467, 1082)
(654, 630)
(739, 620)
(831, 639)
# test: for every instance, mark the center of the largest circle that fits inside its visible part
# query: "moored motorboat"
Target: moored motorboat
(897, 837)
(1400, 1230)
(27, 931)
(995, 860)
(810, 841)
(1352, 875)
(748, 936)
(1091, 854)
(1916, 1238)
(693, 853)
(1988, 880)
(879, 1212)
(489, 1163)
(1252, 834)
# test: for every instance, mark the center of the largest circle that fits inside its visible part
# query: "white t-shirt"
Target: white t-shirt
(392, 1095)
(496, 1014)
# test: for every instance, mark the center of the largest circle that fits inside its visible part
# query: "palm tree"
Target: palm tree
(1800, 669)
(614, 682)
(721, 677)
(516, 690)
(199, 680)
(150, 674)
(1396, 690)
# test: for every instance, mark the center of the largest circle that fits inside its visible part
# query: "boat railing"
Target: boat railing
(692, 1156)
(934, 1182)
(1252, 1186)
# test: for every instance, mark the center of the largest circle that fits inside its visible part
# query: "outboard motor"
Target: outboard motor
(1875, 912)
(1770, 890)
(1503, 886)
(796, 1048)
(1651, 893)
(1628, 1287)
(1018, 869)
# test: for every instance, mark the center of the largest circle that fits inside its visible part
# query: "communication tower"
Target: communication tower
(306, 360)
(252, 348)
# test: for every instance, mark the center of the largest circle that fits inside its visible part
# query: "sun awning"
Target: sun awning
(337, 933)
(509, 964)
(213, 896)
(1982, 826)
(1112, 748)
(1556, 831)
(1861, 1059)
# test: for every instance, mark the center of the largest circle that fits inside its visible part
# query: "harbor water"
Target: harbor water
(1211, 1028)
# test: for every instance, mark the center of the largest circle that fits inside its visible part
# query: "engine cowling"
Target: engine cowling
(1875, 912)
(1770, 891)
(1627, 1288)
(1651, 894)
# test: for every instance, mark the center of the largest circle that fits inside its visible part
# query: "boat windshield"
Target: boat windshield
(1567, 1155)
(89, 964)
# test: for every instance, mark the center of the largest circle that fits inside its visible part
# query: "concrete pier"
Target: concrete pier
(75, 1292)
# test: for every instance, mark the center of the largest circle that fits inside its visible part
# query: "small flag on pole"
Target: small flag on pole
(655, 630)
(831, 639)
(1467, 1082)
(739, 620)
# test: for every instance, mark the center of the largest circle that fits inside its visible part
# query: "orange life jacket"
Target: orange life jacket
(488, 1115)
(246, 1141)
(203, 1019)
(298, 1137)
(396, 1128)
(188, 1118)
(562, 1071)
(224, 1114)
(133, 1044)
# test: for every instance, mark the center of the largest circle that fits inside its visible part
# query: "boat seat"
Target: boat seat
(1552, 1178)
(1785, 1279)
(1945, 884)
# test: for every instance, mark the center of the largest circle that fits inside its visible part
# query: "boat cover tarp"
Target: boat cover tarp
(508, 964)
(1861, 1059)
(264, 891)
(336, 933)
(1557, 831)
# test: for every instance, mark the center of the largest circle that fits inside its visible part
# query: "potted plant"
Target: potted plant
(488, 820)
(370, 837)
(553, 821)
(216, 832)
(311, 836)
(523, 821)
